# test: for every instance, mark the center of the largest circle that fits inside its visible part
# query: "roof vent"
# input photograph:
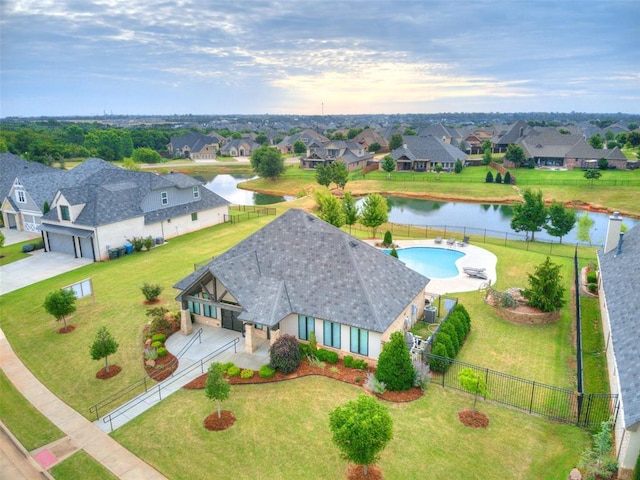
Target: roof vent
(353, 243)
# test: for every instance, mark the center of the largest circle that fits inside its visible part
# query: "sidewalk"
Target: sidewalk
(81, 432)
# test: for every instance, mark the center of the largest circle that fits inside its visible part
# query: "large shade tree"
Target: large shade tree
(531, 215)
(395, 141)
(361, 429)
(515, 154)
(267, 162)
(560, 220)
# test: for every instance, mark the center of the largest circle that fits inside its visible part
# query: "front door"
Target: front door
(231, 322)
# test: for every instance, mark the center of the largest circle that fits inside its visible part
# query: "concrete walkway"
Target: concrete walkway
(193, 363)
(81, 433)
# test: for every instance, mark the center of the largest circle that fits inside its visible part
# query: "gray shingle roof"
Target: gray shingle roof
(301, 264)
(12, 167)
(620, 276)
(428, 148)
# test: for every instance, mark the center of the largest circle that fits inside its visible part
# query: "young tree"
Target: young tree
(350, 210)
(507, 178)
(387, 241)
(374, 212)
(103, 346)
(531, 215)
(267, 162)
(331, 210)
(498, 177)
(299, 147)
(545, 291)
(489, 177)
(515, 154)
(592, 175)
(361, 429)
(216, 387)
(146, 155)
(151, 291)
(395, 368)
(61, 303)
(560, 220)
(323, 175)
(472, 383)
(458, 166)
(395, 141)
(438, 168)
(388, 165)
(486, 156)
(339, 174)
(596, 141)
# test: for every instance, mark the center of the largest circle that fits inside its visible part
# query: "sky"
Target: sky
(312, 57)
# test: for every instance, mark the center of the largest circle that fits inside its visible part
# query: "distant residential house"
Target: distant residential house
(352, 154)
(307, 136)
(350, 294)
(446, 134)
(112, 205)
(419, 154)
(368, 137)
(239, 147)
(512, 134)
(196, 146)
(475, 140)
(583, 155)
(547, 149)
(619, 277)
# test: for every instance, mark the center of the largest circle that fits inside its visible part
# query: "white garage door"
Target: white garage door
(86, 247)
(61, 243)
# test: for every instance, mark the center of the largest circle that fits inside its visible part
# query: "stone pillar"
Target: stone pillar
(275, 334)
(249, 340)
(186, 327)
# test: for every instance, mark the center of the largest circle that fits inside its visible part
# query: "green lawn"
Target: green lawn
(81, 465)
(594, 359)
(27, 424)
(13, 253)
(270, 441)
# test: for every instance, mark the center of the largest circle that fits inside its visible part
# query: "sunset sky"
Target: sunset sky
(81, 57)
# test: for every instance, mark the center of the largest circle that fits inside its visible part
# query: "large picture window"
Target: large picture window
(194, 307)
(306, 325)
(359, 341)
(331, 337)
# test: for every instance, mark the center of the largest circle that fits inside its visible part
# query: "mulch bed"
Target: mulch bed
(473, 420)
(164, 367)
(152, 302)
(356, 472)
(113, 371)
(67, 329)
(213, 423)
(343, 374)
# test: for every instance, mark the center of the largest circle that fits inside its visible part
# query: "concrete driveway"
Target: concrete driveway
(39, 266)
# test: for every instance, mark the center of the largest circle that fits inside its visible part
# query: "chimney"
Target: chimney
(613, 232)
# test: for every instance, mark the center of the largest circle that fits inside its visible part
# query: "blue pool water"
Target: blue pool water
(430, 262)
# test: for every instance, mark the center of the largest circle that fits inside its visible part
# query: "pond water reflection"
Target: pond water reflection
(227, 187)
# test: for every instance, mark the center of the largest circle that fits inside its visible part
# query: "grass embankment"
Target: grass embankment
(594, 359)
(269, 441)
(31, 428)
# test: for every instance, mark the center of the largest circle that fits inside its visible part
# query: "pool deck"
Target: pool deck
(475, 257)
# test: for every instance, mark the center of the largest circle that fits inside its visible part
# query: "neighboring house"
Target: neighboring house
(419, 154)
(475, 140)
(239, 147)
(619, 278)
(583, 155)
(298, 275)
(112, 205)
(446, 134)
(547, 149)
(352, 154)
(196, 146)
(307, 136)
(368, 137)
(512, 134)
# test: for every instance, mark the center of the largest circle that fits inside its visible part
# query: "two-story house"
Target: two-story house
(352, 154)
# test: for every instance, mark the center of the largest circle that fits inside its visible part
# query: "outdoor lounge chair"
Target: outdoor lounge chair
(438, 240)
(473, 269)
(451, 241)
(477, 273)
(464, 242)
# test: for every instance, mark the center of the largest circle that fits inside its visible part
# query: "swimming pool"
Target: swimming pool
(429, 261)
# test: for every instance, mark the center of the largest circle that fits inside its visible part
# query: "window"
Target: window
(196, 192)
(20, 196)
(331, 334)
(259, 326)
(194, 216)
(164, 198)
(359, 341)
(209, 311)
(64, 212)
(194, 307)
(306, 325)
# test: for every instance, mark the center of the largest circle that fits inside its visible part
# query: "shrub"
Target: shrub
(592, 276)
(316, 362)
(26, 248)
(387, 240)
(147, 242)
(598, 460)
(159, 337)
(233, 371)
(448, 328)
(313, 343)
(437, 364)
(444, 339)
(150, 353)
(327, 356)
(305, 350)
(459, 326)
(151, 292)
(266, 372)
(162, 352)
(39, 245)
(507, 178)
(593, 287)
(334, 370)
(226, 366)
(350, 362)
(395, 368)
(246, 373)
(489, 178)
(157, 344)
(373, 384)
(284, 354)
(137, 243)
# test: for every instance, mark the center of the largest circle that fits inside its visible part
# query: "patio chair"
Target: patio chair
(438, 240)
(477, 273)
(451, 241)
(473, 269)
(464, 242)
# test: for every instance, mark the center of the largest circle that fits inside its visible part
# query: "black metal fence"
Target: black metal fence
(576, 288)
(560, 404)
(239, 213)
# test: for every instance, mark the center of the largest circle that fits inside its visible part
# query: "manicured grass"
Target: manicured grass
(269, 441)
(12, 253)
(81, 465)
(27, 424)
(594, 359)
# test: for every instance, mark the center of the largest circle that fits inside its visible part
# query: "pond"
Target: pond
(227, 187)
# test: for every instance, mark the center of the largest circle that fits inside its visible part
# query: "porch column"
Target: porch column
(249, 340)
(186, 327)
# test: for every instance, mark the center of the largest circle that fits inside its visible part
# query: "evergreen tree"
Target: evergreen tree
(350, 210)
(507, 178)
(489, 178)
(545, 291)
(498, 178)
(458, 166)
(395, 368)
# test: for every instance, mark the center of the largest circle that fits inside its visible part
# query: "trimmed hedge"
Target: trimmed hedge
(234, 371)
(266, 372)
(351, 362)
(162, 352)
(156, 344)
(246, 373)
(327, 356)
(159, 337)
